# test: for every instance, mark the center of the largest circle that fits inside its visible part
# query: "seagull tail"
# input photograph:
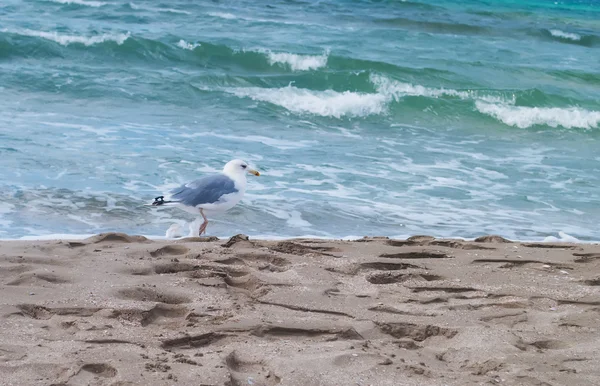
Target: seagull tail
(160, 200)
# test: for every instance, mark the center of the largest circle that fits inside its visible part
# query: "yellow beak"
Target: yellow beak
(255, 172)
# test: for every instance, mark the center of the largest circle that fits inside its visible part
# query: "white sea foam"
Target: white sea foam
(230, 16)
(166, 10)
(81, 2)
(297, 221)
(281, 144)
(188, 46)
(562, 238)
(565, 35)
(298, 62)
(524, 117)
(490, 174)
(222, 15)
(87, 128)
(270, 237)
(82, 220)
(326, 103)
(171, 10)
(174, 231)
(65, 40)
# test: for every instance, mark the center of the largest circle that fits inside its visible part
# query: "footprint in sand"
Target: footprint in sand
(90, 373)
(247, 372)
(170, 250)
(150, 295)
(394, 277)
(38, 279)
(159, 314)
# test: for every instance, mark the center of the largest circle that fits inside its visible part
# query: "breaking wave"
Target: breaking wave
(298, 62)
(565, 35)
(187, 46)
(524, 117)
(326, 103)
(337, 104)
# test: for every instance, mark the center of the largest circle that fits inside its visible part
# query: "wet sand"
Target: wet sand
(123, 310)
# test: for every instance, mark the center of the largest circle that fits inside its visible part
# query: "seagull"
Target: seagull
(210, 194)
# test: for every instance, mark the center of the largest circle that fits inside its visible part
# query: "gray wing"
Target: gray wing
(206, 190)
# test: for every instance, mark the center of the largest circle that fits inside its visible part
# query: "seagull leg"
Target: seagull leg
(204, 224)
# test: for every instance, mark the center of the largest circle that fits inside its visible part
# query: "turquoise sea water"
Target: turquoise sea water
(449, 118)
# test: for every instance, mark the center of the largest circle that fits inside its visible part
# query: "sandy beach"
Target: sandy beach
(123, 310)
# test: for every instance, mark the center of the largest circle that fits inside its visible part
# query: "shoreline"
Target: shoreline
(548, 239)
(118, 309)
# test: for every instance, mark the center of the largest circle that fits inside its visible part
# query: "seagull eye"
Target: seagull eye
(244, 166)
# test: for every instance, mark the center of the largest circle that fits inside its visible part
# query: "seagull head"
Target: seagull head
(238, 167)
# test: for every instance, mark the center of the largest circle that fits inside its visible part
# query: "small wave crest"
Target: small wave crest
(298, 62)
(565, 35)
(244, 18)
(326, 103)
(394, 89)
(524, 117)
(433, 26)
(152, 9)
(65, 40)
(188, 46)
(580, 39)
(87, 3)
(222, 15)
